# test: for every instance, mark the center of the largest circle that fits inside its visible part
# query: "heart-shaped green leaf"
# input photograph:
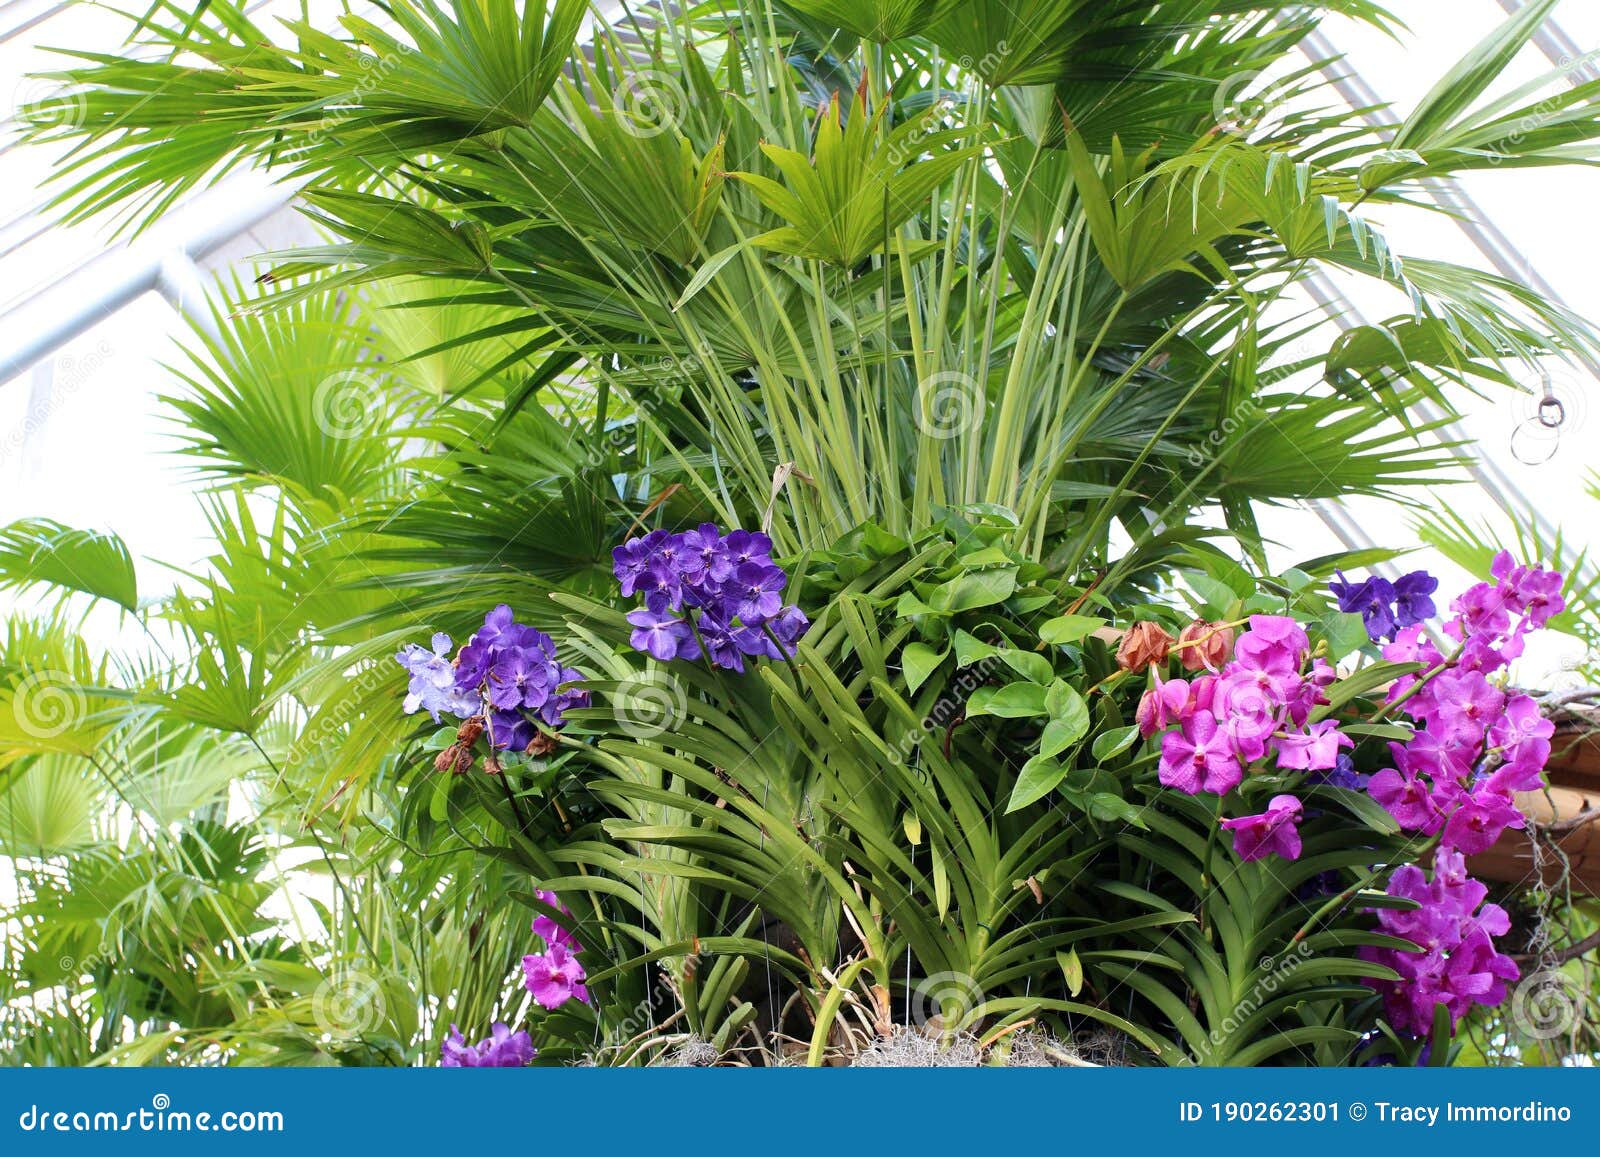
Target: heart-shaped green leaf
(1039, 777)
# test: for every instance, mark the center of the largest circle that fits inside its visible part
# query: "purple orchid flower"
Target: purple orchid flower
(510, 731)
(788, 625)
(662, 635)
(546, 927)
(759, 589)
(705, 558)
(1199, 757)
(1273, 832)
(1413, 602)
(725, 587)
(721, 643)
(520, 678)
(1315, 749)
(1458, 965)
(555, 976)
(744, 546)
(432, 687)
(1372, 599)
(503, 1049)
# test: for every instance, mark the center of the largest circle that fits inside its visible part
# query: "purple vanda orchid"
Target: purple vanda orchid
(1275, 831)
(503, 1049)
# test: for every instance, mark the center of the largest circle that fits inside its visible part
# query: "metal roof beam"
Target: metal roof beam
(1489, 239)
(72, 306)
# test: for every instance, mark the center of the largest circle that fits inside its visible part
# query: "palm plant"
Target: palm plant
(983, 311)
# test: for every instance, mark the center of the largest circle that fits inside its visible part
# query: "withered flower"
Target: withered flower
(456, 758)
(1143, 643)
(1204, 646)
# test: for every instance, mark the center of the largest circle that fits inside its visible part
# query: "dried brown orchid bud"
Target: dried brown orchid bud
(1143, 643)
(455, 759)
(542, 743)
(492, 765)
(1204, 646)
(469, 731)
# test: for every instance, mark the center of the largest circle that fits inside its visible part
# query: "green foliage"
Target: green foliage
(38, 551)
(993, 288)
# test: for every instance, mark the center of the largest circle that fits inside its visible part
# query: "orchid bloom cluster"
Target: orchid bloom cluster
(1384, 605)
(503, 1049)
(1253, 707)
(1476, 744)
(506, 671)
(707, 593)
(555, 975)
(1458, 965)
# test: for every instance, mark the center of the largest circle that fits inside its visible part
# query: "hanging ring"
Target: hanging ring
(1535, 434)
(1552, 412)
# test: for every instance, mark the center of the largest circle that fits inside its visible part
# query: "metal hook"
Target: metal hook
(1550, 415)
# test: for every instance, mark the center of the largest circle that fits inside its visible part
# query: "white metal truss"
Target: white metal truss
(1485, 235)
